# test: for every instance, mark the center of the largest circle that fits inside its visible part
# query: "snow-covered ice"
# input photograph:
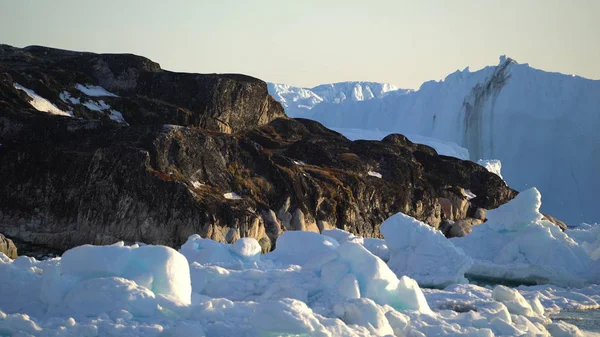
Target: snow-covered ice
(40, 103)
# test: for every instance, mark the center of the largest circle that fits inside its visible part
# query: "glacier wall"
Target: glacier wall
(543, 127)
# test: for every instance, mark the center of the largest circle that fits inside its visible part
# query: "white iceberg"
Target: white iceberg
(423, 253)
(516, 244)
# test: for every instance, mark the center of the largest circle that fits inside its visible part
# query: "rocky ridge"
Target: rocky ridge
(207, 154)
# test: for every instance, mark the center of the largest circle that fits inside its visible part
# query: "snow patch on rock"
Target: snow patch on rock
(40, 103)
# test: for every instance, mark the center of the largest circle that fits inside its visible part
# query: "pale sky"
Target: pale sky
(308, 42)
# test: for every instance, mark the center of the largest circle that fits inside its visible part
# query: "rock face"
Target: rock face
(7, 247)
(68, 181)
(141, 91)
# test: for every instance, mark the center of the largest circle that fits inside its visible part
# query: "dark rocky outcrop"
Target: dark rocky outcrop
(68, 181)
(147, 94)
(555, 221)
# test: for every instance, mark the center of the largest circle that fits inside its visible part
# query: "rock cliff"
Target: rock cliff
(206, 154)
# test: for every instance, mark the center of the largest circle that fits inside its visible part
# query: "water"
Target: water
(588, 320)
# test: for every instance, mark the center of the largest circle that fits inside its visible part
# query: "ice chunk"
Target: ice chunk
(365, 312)
(423, 253)
(377, 247)
(378, 282)
(516, 244)
(243, 252)
(299, 247)
(514, 301)
(247, 248)
(287, 317)
(339, 235)
(161, 269)
(588, 237)
(19, 288)
(92, 297)
(564, 329)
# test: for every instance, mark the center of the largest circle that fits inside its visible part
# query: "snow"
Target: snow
(514, 112)
(492, 165)
(66, 97)
(100, 106)
(231, 196)
(40, 103)
(117, 117)
(423, 253)
(94, 91)
(96, 106)
(470, 195)
(197, 184)
(374, 174)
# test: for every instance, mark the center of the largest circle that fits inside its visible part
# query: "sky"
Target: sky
(306, 43)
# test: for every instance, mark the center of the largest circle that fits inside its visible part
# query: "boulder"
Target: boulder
(480, 214)
(555, 221)
(462, 227)
(7, 247)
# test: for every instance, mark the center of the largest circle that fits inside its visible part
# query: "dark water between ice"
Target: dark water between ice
(588, 320)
